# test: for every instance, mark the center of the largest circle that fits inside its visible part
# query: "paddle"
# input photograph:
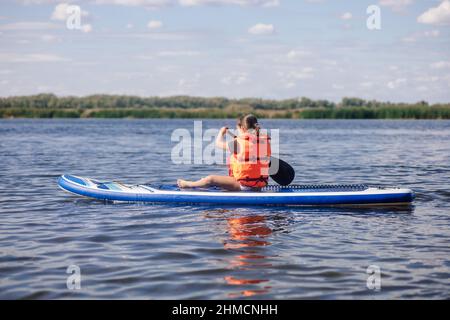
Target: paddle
(280, 171)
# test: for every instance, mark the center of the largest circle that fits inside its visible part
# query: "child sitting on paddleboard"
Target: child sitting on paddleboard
(249, 159)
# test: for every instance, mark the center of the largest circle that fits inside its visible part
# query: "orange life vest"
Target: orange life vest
(249, 164)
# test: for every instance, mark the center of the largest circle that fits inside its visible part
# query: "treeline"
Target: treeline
(115, 106)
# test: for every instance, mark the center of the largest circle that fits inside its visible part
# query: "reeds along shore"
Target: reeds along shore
(110, 106)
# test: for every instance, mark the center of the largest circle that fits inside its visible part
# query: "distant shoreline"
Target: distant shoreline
(184, 107)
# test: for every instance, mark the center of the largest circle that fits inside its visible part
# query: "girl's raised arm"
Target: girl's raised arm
(220, 140)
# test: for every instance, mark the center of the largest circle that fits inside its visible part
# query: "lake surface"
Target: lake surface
(136, 251)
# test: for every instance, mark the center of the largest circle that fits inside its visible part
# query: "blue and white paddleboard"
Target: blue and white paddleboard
(312, 195)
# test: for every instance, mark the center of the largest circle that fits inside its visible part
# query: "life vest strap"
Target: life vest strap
(247, 159)
(262, 178)
(258, 138)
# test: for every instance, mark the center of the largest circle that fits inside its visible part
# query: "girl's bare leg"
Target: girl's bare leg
(227, 183)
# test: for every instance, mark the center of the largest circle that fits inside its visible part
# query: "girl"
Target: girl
(249, 160)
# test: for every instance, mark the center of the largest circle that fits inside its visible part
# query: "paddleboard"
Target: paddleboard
(295, 195)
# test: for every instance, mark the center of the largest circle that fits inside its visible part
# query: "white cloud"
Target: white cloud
(440, 65)
(33, 57)
(410, 39)
(150, 4)
(260, 3)
(303, 73)
(262, 29)
(129, 26)
(169, 54)
(290, 85)
(439, 15)
(155, 36)
(307, 70)
(48, 38)
(432, 34)
(145, 57)
(154, 24)
(367, 84)
(427, 78)
(28, 2)
(190, 3)
(295, 54)
(86, 28)
(185, 53)
(291, 78)
(235, 78)
(155, 4)
(28, 26)
(337, 86)
(329, 62)
(421, 35)
(188, 84)
(396, 5)
(396, 83)
(422, 88)
(62, 12)
(346, 16)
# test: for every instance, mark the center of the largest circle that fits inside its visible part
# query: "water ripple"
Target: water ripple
(194, 252)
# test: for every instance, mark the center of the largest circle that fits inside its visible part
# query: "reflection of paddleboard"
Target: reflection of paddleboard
(315, 195)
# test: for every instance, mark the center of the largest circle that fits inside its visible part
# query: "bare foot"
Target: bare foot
(182, 183)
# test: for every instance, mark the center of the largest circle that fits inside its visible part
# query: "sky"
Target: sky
(276, 49)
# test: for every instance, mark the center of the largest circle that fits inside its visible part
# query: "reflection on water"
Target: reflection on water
(245, 234)
(248, 239)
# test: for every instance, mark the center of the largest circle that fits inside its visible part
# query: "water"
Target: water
(194, 252)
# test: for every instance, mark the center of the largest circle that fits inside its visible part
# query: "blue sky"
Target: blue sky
(320, 49)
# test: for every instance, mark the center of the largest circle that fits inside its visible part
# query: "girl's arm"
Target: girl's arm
(220, 140)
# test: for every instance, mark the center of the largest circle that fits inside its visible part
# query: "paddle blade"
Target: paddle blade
(281, 172)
